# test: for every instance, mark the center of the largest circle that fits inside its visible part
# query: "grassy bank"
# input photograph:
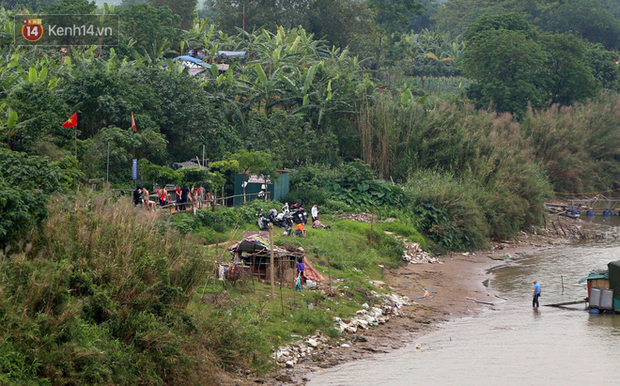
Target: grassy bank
(107, 293)
(249, 327)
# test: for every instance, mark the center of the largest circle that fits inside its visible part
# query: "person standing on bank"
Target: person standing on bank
(315, 213)
(178, 198)
(184, 196)
(137, 196)
(536, 294)
(301, 268)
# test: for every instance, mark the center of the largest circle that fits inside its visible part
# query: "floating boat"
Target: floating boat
(604, 289)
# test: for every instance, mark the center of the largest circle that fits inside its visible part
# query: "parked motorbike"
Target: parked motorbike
(262, 221)
(299, 214)
(282, 220)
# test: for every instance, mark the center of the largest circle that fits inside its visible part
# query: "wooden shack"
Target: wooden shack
(254, 252)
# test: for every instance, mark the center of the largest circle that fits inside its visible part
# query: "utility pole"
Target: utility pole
(372, 223)
(271, 259)
(107, 175)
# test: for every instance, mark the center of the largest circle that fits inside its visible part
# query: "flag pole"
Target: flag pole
(73, 122)
(107, 175)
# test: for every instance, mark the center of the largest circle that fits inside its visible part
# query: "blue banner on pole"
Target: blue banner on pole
(134, 169)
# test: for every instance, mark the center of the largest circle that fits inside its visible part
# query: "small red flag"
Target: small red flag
(71, 122)
(133, 123)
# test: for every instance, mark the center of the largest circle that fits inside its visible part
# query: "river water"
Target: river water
(511, 343)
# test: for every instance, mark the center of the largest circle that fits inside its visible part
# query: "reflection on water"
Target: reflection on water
(512, 344)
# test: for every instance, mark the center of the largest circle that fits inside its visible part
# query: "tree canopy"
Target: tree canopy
(515, 67)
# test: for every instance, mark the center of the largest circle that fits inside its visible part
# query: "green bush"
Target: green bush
(160, 175)
(447, 210)
(222, 219)
(353, 184)
(307, 184)
(27, 183)
(333, 206)
(99, 298)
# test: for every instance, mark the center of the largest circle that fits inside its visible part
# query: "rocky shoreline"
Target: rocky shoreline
(433, 292)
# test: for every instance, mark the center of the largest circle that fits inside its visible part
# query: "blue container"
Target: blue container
(575, 212)
(590, 213)
(607, 213)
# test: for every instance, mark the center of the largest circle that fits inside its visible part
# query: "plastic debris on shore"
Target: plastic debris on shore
(413, 253)
(390, 306)
(313, 347)
(359, 217)
(393, 304)
(290, 355)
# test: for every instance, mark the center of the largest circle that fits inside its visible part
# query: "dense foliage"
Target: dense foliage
(85, 303)
(27, 183)
(456, 120)
(293, 102)
(515, 67)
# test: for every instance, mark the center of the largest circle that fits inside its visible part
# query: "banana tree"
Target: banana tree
(9, 126)
(433, 54)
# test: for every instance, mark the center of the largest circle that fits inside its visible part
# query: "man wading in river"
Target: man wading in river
(536, 294)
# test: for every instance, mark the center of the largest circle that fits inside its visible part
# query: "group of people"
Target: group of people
(183, 196)
(300, 230)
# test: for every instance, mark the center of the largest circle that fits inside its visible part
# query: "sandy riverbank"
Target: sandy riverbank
(456, 288)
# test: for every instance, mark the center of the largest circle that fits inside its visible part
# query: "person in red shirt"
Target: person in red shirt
(163, 197)
(179, 199)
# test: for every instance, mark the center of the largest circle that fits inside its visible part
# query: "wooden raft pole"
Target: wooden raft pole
(565, 303)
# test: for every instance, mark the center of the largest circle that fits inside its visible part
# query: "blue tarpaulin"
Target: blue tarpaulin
(191, 59)
(194, 65)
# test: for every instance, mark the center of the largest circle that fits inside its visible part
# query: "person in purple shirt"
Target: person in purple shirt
(301, 267)
(536, 294)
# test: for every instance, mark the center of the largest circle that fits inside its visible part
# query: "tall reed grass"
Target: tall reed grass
(480, 161)
(440, 86)
(99, 295)
(579, 146)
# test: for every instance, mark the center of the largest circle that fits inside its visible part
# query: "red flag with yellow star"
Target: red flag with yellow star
(71, 122)
(133, 123)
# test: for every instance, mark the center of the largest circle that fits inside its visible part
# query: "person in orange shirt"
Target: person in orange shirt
(300, 230)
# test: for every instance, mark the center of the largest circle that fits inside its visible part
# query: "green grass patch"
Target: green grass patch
(402, 229)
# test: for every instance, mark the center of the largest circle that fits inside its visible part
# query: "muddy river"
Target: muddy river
(511, 343)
